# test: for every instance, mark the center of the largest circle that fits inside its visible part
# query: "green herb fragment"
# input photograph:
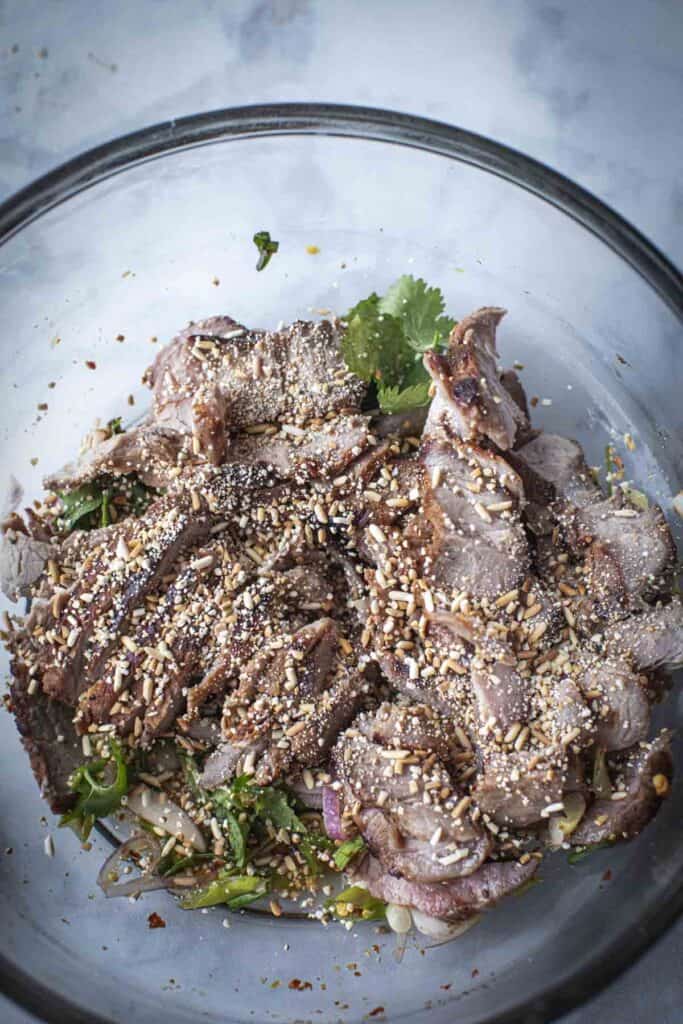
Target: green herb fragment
(347, 851)
(173, 865)
(266, 247)
(89, 506)
(100, 785)
(78, 504)
(234, 890)
(114, 426)
(386, 337)
(582, 852)
(395, 400)
(356, 902)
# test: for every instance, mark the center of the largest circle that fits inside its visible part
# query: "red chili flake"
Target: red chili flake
(155, 921)
(376, 1012)
(91, 364)
(607, 877)
(533, 401)
(446, 987)
(475, 972)
(298, 985)
(120, 337)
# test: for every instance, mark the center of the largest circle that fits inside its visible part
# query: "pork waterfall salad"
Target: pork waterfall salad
(336, 624)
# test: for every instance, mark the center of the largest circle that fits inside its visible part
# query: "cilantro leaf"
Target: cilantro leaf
(347, 851)
(374, 345)
(266, 247)
(386, 337)
(420, 309)
(395, 400)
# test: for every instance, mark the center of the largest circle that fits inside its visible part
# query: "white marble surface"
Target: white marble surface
(592, 87)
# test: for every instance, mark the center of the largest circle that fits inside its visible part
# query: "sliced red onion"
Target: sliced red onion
(109, 877)
(158, 809)
(332, 813)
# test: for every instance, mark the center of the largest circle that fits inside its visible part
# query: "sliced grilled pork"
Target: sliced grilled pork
(113, 583)
(631, 553)
(217, 377)
(643, 774)
(652, 639)
(555, 467)
(321, 451)
(515, 789)
(272, 603)
(150, 451)
(296, 694)
(470, 400)
(406, 815)
(454, 900)
(471, 502)
(49, 738)
(619, 702)
(143, 685)
(22, 561)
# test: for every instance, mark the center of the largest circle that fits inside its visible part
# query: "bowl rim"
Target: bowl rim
(392, 127)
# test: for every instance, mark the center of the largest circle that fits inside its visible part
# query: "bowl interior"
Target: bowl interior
(169, 240)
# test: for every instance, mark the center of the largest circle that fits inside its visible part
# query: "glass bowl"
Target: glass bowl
(123, 246)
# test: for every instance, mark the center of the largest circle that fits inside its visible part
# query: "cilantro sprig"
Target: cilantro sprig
(387, 336)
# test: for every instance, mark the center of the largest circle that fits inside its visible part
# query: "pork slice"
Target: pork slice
(22, 561)
(446, 694)
(227, 761)
(411, 727)
(512, 383)
(148, 450)
(49, 739)
(146, 676)
(470, 401)
(652, 639)
(334, 709)
(502, 696)
(407, 817)
(639, 769)
(514, 790)
(484, 553)
(291, 597)
(316, 452)
(555, 467)
(631, 551)
(455, 900)
(289, 689)
(110, 587)
(217, 377)
(619, 702)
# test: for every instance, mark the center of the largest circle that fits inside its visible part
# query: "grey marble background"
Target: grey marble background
(592, 87)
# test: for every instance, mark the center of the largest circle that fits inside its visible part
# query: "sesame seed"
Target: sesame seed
(49, 846)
